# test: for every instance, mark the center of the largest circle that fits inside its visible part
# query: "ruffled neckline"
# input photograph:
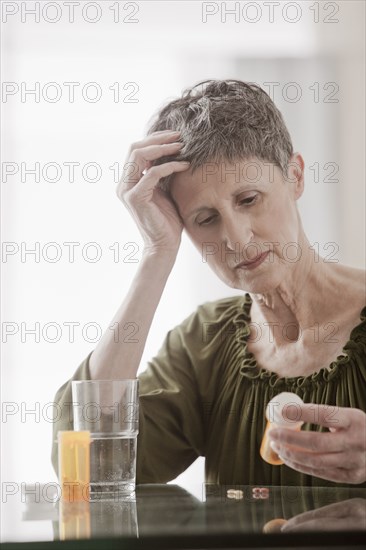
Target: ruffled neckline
(249, 367)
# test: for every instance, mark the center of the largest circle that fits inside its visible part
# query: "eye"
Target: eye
(248, 201)
(206, 221)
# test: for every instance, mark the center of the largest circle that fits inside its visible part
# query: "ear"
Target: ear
(295, 174)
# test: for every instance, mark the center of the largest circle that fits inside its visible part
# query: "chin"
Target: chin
(261, 284)
(262, 280)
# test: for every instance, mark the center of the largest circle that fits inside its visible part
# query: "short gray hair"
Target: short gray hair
(224, 120)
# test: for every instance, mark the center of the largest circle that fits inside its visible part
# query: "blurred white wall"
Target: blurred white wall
(170, 46)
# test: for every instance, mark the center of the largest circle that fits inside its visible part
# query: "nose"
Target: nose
(236, 231)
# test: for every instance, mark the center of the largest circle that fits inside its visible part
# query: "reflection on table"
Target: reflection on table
(170, 512)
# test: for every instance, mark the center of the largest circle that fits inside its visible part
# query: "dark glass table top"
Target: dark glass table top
(168, 516)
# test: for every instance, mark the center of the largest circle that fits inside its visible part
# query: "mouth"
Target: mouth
(252, 264)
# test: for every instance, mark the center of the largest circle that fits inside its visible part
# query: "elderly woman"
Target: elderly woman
(219, 163)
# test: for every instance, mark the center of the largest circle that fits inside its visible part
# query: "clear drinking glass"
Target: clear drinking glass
(109, 410)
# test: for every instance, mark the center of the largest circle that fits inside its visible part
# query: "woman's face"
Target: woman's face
(242, 217)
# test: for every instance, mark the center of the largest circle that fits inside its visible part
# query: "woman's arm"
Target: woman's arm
(160, 226)
(116, 356)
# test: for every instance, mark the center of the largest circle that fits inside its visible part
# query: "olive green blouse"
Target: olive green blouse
(204, 395)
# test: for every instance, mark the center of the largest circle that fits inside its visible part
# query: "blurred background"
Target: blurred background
(79, 83)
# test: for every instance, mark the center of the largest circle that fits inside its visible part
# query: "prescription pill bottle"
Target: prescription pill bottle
(275, 419)
(74, 465)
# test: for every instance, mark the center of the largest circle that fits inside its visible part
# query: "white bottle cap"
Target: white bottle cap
(277, 407)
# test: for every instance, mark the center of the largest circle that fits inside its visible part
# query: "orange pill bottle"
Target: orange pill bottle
(74, 465)
(277, 418)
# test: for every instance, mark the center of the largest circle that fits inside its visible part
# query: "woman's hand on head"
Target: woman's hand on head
(153, 211)
(338, 455)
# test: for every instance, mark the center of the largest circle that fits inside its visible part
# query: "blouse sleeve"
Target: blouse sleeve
(171, 431)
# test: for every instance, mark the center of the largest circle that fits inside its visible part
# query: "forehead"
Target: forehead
(225, 173)
(216, 181)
